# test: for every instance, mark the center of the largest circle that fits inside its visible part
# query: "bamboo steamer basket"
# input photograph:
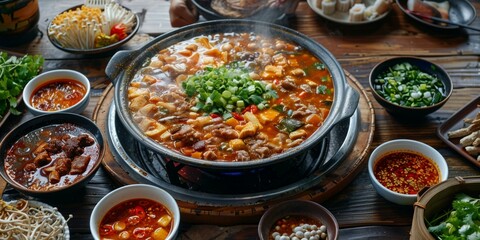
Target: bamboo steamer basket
(430, 201)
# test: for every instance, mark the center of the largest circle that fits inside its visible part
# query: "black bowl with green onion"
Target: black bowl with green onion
(409, 86)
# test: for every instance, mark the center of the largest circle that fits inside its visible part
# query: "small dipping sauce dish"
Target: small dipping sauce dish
(60, 90)
(399, 169)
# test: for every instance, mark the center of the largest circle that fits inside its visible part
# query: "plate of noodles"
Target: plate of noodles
(352, 12)
(90, 30)
(27, 219)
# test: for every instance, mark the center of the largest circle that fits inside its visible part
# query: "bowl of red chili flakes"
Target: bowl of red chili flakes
(399, 169)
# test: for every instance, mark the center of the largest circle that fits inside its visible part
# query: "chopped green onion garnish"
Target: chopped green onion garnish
(226, 89)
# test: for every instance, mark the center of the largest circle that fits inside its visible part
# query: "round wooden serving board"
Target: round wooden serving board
(335, 181)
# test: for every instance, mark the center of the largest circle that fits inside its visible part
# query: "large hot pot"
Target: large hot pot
(124, 64)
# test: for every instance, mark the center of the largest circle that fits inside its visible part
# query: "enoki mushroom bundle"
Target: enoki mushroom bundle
(24, 221)
(469, 135)
(80, 28)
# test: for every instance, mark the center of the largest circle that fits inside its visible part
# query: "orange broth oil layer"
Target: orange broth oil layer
(57, 95)
(406, 172)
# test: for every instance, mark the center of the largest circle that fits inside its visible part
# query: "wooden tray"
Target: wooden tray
(334, 182)
(456, 122)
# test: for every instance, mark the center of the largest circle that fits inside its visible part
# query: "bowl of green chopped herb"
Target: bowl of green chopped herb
(409, 86)
(448, 210)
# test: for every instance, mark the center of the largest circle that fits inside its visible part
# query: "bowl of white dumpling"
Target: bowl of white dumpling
(352, 12)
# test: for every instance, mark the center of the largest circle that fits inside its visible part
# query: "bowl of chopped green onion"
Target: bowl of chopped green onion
(409, 86)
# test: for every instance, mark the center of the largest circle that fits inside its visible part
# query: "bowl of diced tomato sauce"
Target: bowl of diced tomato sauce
(56, 91)
(136, 211)
(401, 168)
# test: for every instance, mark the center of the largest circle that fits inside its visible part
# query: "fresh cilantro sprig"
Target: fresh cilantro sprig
(15, 72)
(462, 222)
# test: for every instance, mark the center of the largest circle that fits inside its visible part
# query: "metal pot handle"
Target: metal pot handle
(117, 64)
(350, 104)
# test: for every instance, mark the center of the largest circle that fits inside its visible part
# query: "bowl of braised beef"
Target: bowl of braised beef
(298, 219)
(231, 95)
(51, 154)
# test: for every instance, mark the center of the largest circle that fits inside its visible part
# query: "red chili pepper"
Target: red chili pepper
(106, 230)
(133, 220)
(140, 212)
(237, 116)
(302, 95)
(214, 115)
(252, 108)
(120, 30)
(140, 232)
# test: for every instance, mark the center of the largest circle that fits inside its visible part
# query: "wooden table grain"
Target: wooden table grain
(360, 211)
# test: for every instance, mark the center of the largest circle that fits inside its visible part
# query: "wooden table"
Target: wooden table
(360, 211)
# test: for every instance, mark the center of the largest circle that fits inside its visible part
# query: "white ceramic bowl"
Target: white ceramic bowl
(46, 77)
(131, 192)
(408, 145)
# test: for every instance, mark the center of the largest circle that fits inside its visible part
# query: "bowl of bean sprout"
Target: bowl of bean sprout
(27, 219)
(91, 30)
(298, 219)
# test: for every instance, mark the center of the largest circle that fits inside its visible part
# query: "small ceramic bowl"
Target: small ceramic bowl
(410, 146)
(267, 14)
(135, 191)
(422, 65)
(300, 208)
(53, 76)
(39, 130)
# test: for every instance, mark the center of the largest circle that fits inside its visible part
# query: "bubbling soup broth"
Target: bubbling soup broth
(231, 97)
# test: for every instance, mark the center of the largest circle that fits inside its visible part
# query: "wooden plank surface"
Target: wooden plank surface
(360, 212)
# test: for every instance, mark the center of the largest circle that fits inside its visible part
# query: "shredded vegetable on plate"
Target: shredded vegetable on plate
(90, 27)
(24, 219)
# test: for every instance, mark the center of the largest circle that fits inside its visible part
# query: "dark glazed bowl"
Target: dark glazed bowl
(461, 11)
(46, 120)
(124, 64)
(299, 208)
(424, 66)
(94, 50)
(267, 15)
